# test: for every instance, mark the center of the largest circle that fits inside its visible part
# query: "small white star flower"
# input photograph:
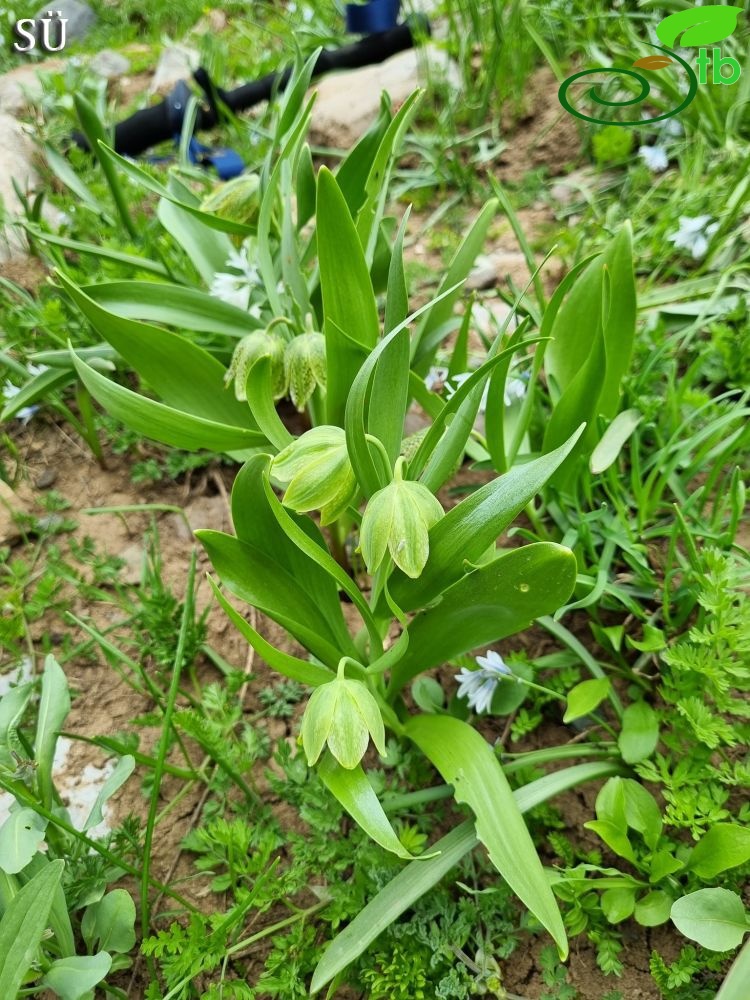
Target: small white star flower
(694, 234)
(655, 158)
(236, 288)
(435, 379)
(478, 686)
(515, 388)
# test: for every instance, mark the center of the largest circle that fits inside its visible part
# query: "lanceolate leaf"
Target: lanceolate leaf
(163, 423)
(185, 376)
(288, 666)
(420, 876)
(466, 761)
(456, 274)
(496, 600)
(207, 249)
(468, 530)
(175, 305)
(351, 316)
(355, 793)
(257, 578)
(734, 986)
(256, 523)
(23, 925)
(54, 706)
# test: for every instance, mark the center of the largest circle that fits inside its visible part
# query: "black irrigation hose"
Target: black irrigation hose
(160, 123)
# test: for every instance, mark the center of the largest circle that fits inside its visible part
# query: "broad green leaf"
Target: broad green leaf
(640, 732)
(146, 181)
(22, 926)
(466, 761)
(472, 526)
(290, 102)
(54, 706)
(492, 602)
(698, 25)
(259, 392)
(354, 170)
(389, 395)
(59, 918)
(41, 386)
(20, 838)
(612, 441)
(457, 272)
(65, 173)
(734, 986)
(663, 863)
(420, 876)
(259, 579)
(428, 694)
(617, 904)
(110, 923)
(207, 249)
(653, 909)
(255, 521)
(175, 305)
(715, 918)
(96, 137)
(95, 250)
(186, 377)
(285, 664)
(585, 697)
(619, 318)
(378, 179)
(73, 978)
(614, 837)
(159, 422)
(12, 707)
(355, 793)
(123, 769)
(642, 812)
(351, 316)
(726, 845)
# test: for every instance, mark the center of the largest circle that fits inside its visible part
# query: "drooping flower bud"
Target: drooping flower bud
(305, 366)
(344, 714)
(397, 519)
(237, 200)
(317, 473)
(257, 344)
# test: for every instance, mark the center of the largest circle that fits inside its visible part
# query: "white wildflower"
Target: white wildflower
(10, 391)
(436, 379)
(515, 388)
(478, 686)
(655, 158)
(236, 288)
(694, 234)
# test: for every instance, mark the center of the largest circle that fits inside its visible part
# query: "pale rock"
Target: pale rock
(177, 62)
(16, 163)
(80, 17)
(22, 87)
(109, 64)
(133, 556)
(349, 102)
(573, 186)
(493, 269)
(11, 505)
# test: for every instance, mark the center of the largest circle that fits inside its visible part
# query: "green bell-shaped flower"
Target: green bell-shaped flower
(256, 345)
(345, 715)
(237, 200)
(317, 473)
(305, 365)
(397, 520)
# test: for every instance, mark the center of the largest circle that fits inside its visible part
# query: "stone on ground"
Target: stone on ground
(81, 18)
(109, 64)
(348, 102)
(177, 62)
(21, 87)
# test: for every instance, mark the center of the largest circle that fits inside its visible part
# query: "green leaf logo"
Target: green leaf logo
(701, 26)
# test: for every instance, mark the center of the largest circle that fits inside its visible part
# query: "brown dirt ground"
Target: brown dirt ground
(105, 704)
